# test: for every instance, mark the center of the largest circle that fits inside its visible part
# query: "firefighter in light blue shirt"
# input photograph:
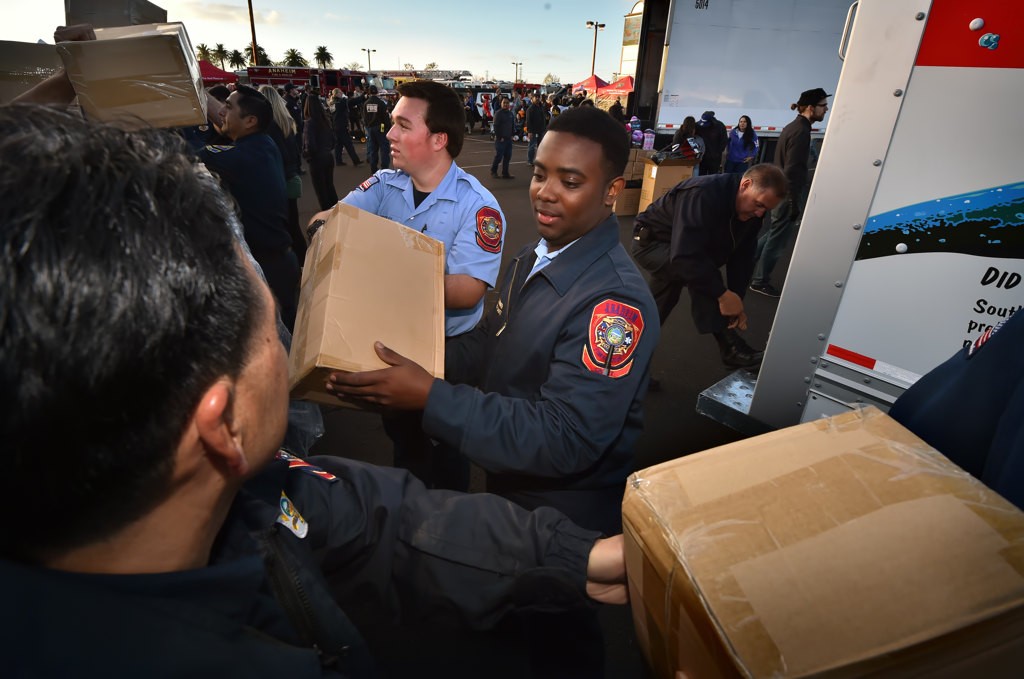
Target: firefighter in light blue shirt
(428, 192)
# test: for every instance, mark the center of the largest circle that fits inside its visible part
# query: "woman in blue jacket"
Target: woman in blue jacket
(743, 145)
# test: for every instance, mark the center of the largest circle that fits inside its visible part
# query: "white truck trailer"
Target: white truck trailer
(747, 57)
(912, 241)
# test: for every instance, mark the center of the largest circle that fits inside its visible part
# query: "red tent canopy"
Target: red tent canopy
(619, 88)
(591, 85)
(213, 75)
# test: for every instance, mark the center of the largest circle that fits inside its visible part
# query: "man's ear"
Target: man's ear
(440, 141)
(614, 189)
(214, 422)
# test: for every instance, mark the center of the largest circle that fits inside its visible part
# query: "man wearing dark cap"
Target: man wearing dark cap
(791, 155)
(294, 105)
(713, 132)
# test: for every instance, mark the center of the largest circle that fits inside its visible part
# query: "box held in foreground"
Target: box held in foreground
(844, 547)
(137, 75)
(351, 298)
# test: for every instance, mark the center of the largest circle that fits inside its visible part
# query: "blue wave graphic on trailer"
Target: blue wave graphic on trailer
(988, 223)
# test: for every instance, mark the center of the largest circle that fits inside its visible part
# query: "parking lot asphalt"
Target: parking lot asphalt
(685, 363)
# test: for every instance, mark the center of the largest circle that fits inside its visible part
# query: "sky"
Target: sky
(484, 38)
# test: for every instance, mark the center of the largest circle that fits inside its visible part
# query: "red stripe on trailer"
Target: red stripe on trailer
(851, 356)
(949, 41)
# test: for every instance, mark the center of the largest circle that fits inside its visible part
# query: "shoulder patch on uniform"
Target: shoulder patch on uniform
(613, 335)
(290, 518)
(488, 229)
(370, 181)
(983, 339)
(219, 148)
(303, 466)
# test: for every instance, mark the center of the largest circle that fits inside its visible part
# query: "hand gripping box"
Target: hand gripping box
(137, 75)
(365, 279)
(844, 547)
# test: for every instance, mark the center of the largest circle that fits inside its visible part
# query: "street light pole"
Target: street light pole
(252, 27)
(597, 26)
(369, 68)
(517, 64)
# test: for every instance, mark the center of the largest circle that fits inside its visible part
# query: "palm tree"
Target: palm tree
(409, 67)
(432, 66)
(203, 52)
(354, 66)
(220, 54)
(294, 58)
(323, 58)
(261, 53)
(236, 60)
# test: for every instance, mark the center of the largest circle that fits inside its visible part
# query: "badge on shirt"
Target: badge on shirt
(488, 229)
(983, 339)
(303, 466)
(615, 330)
(219, 148)
(365, 186)
(291, 519)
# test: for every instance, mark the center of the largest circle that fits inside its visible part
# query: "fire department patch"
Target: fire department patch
(365, 186)
(615, 330)
(488, 229)
(302, 465)
(290, 518)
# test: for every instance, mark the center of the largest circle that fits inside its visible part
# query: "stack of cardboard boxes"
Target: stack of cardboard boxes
(629, 200)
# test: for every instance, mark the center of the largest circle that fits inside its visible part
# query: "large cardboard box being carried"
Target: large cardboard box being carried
(137, 75)
(844, 547)
(659, 178)
(365, 279)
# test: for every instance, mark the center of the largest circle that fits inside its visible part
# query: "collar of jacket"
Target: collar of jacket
(567, 267)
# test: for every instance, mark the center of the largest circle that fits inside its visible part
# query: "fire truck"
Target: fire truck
(325, 78)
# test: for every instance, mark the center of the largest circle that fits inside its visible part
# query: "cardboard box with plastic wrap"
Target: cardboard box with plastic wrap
(365, 279)
(138, 76)
(659, 178)
(844, 547)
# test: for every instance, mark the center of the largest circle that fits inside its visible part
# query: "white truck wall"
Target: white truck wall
(911, 240)
(748, 57)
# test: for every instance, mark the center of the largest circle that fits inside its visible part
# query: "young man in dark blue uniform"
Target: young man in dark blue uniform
(687, 235)
(161, 510)
(504, 128)
(252, 171)
(546, 392)
(971, 408)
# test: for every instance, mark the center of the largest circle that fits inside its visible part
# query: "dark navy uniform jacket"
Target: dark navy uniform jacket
(298, 541)
(531, 393)
(698, 219)
(971, 409)
(253, 172)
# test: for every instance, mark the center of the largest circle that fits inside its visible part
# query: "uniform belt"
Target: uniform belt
(647, 234)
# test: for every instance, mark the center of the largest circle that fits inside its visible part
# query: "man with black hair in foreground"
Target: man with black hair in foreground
(160, 531)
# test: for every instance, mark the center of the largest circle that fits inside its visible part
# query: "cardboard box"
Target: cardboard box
(635, 165)
(844, 547)
(627, 202)
(658, 179)
(137, 75)
(23, 66)
(365, 279)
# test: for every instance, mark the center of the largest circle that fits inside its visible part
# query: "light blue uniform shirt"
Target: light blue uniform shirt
(460, 212)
